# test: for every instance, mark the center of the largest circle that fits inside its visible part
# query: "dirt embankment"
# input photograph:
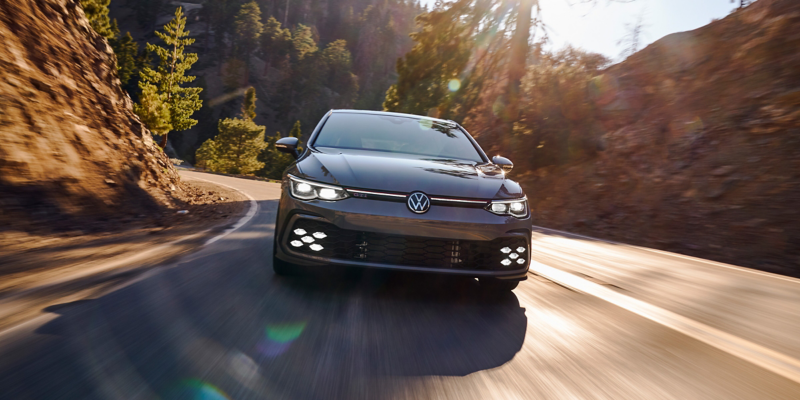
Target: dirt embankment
(702, 151)
(83, 188)
(71, 147)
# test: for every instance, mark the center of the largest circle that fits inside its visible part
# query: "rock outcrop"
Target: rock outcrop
(702, 150)
(70, 144)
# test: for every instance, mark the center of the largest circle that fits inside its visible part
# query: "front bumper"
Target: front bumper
(388, 220)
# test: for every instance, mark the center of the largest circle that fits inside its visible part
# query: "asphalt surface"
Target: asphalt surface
(219, 325)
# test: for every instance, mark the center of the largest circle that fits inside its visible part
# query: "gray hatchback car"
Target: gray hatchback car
(398, 191)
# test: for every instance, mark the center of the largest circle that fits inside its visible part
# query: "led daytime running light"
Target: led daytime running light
(517, 207)
(308, 190)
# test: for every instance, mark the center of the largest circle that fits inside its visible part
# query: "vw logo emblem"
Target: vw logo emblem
(419, 203)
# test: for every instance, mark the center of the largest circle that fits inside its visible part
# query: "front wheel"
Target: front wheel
(497, 286)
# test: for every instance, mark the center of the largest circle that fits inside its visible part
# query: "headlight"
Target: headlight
(307, 190)
(517, 208)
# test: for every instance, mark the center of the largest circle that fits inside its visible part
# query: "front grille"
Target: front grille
(323, 239)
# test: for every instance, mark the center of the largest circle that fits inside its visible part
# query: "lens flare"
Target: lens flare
(279, 337)
(197, 390)
(284, 333)
(454, 84)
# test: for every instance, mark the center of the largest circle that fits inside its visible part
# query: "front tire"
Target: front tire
(497, 286)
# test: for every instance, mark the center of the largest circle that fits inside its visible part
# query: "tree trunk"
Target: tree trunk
(163, 143)
(519, 55)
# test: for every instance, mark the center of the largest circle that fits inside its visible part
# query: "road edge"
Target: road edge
(677, 255)
(773, 361)
(112, 267)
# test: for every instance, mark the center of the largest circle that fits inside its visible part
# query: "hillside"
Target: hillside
(70, 145)
(294, 80)
(701, 146)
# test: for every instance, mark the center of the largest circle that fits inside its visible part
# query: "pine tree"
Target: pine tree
(276, 43)
(153, 110)
(96, 12)
(248, 28)
(460, 47)
(275, 162)
(235, 149)
(126, 50)
(167, 79)
(303, 42)
(238, 146)
(249, 104)
(441, 53)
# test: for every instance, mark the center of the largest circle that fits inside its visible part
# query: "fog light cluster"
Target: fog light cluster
(304, 238)
(513, 256)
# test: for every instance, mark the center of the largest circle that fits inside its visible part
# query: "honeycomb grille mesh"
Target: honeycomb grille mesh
(403, 250)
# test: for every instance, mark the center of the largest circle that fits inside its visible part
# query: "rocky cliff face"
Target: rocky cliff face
(70, 144)
(702, 151)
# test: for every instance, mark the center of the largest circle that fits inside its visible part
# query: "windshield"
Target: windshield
(395, 134)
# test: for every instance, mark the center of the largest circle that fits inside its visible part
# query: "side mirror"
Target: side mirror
(503, 163)
(288, 145)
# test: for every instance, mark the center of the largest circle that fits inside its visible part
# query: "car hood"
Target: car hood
(405, 173)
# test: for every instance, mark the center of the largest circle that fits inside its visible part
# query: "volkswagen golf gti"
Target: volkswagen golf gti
(397, 191)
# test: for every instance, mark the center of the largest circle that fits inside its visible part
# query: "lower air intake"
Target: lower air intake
(331, 241)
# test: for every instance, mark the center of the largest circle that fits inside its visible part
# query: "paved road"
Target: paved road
(220, 325)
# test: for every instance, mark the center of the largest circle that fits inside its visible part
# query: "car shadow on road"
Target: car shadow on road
(225, 323)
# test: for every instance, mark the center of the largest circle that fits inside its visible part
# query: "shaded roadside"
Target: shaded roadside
(40, 267)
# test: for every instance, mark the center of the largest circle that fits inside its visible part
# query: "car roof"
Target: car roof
(389, 113)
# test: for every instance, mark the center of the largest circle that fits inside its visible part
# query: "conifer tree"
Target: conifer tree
(166, 80)
(237, 147)
(153, 110)
(275, 162)
(468, 43)
(248, 31)
(96, 12)
(276, 42)
(249, 104)
(303, 42)
(126, 50)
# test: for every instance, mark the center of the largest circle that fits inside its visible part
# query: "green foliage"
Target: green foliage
(235, 149)
(276, 43)
(303, 42)
(248, 28)
(249, 104)
(96, 12)
(126, 50)
(322, 54)
(275, 162)
(153, 109)
(169, 76)
(466, 41)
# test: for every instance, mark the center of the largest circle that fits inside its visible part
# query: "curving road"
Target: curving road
(220, 325)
